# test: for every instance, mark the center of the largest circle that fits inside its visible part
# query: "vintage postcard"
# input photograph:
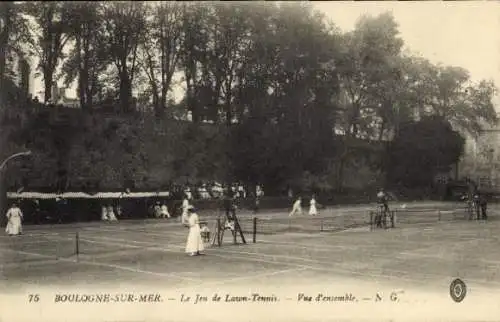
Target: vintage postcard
(249, 161)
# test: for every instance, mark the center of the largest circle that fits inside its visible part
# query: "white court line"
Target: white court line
(30, 253)
(136, 270)
(153, 246)
(120, 267)
(312, 246)
(176, 249)
(242, 278)
(393, 274)
(249, 258)
(32, 235)
(172, 247)
(166, 234)
(432, 248)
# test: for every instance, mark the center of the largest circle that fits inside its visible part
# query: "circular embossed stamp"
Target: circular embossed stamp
(458, 290)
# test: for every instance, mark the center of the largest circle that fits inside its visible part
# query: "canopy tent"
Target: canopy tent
(83, 195)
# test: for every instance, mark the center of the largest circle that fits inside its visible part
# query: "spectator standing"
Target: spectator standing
(14, 220)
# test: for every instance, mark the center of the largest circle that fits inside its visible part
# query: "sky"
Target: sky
(463, 33)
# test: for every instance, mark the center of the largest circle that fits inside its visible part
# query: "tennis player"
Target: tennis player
(297, 207)
(194, 244)
(313, 211)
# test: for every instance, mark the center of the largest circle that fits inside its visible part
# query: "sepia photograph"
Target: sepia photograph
(249, 161)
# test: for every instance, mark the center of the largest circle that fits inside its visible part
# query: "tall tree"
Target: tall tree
(367, 62)
(448, 92)
(52, 36)
(421, 150)
(87, 59)
(194, 53)
(15, 37)
(160, 51)
(125, 28)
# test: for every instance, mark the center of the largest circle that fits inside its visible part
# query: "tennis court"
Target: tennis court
(151, 253)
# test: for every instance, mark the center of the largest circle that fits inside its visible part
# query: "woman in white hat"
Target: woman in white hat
(194, 244)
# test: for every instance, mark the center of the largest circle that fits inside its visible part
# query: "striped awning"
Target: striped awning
(83, 195)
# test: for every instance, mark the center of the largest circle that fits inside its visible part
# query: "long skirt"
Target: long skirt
(313, 211)
(14, 226)
(194, 242)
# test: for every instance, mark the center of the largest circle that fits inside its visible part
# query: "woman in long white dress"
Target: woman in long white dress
(313, 211)
(14, 223)
(194, 244)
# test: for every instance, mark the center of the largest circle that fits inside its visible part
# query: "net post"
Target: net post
(439, 215)
(218, 231)
(77, 245)
(235, 224)
(371, 220)
(321, 224)
(254, 230)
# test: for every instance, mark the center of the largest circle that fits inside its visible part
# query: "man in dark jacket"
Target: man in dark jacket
(480, 205)
(229, 208)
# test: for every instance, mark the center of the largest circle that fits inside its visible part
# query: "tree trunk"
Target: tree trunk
(340, 175)
(4, 42)
(2, 71)
(3, 198)
(81, 71)
(382, 129)
(48, 83)
(125, 91)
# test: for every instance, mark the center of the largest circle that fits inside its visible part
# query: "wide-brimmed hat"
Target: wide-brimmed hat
(191, 209)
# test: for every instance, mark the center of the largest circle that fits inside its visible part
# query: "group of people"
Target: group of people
(297, 207)
(108, 213)
(217, 191)
(476, 204)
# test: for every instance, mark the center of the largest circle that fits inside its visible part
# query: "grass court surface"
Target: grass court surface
(151, 253)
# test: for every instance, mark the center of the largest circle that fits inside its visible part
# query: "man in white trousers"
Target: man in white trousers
(297, 207)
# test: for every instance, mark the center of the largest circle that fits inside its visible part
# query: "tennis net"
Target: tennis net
(346, 221)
